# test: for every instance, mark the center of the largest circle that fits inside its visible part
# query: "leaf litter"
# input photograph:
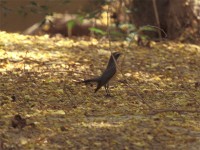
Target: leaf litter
(155, 102)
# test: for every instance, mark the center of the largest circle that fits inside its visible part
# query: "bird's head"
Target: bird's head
(116, 55)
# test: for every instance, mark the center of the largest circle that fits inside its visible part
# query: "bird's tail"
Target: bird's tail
(89, 80)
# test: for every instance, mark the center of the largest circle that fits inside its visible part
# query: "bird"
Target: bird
(107, 75)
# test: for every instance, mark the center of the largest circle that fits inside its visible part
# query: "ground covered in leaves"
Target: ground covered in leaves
(154, 105)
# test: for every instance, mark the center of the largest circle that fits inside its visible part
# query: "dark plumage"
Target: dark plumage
(109, 72)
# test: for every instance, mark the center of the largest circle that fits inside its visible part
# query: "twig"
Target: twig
(157, 17)
(25, 60)
(183, 81)
(157, 111)
(141, 99)
(156, 28)
(108, 29)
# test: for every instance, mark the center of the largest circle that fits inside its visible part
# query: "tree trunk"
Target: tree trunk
(175, 16)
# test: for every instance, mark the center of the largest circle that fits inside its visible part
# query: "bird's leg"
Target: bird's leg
(107, 90)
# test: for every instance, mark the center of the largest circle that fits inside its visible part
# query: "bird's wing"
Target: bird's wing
(108, 74)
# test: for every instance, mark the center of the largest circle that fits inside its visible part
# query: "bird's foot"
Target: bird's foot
(108, 95)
